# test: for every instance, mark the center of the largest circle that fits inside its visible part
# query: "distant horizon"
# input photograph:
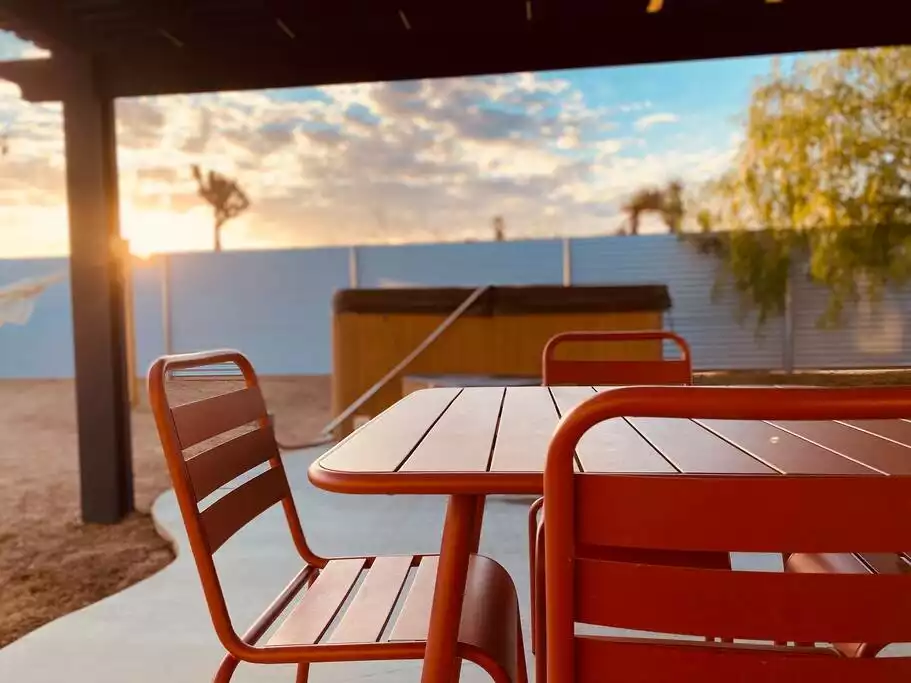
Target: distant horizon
(553, 153)
(148, 256)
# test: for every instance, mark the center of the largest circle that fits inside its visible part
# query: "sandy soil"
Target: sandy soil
(51, 563)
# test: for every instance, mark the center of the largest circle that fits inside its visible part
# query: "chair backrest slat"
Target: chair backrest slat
(745, 513)
(619, 372)
(749, 605)
(700, 662)
(616, 372)
(223, 462)
(200, 420)
(226, 516)
(590, 516)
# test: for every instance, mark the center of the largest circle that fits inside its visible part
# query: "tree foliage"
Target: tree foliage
(224, 195)
(824, 174)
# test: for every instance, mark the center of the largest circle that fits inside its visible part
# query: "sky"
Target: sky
(553, 153)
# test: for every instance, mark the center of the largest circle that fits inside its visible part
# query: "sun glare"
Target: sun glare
(155, 231)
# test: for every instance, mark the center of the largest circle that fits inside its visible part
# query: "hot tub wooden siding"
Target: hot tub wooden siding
(503, 333)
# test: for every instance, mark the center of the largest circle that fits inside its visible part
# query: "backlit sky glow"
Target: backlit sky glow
(554, 153)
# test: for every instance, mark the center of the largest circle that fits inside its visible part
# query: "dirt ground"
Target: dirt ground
(51, 563)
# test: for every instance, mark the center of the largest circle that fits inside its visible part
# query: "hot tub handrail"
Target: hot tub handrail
(327, 431)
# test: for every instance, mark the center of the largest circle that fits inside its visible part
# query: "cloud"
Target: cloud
(29, 182)
(646, 122)
(13, 47)
(376, 162)
(140, 123)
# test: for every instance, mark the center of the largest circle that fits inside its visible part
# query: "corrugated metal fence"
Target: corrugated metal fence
(711, 324)
(873, 334)
(275, 305)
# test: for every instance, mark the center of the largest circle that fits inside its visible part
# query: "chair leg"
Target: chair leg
(521, 666)
(539, 614)
(540, 665)
(532, 543)
(540, 654)
(226, 669)
(303, 671)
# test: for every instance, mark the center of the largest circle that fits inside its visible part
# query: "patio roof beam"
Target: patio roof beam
(49, 24)
(96, 277)
(204, 63)
(39, 80)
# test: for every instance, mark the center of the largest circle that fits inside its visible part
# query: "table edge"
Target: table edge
(498, 483)
(427, 483)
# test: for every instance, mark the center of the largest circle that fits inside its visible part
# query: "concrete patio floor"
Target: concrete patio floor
(158, 631)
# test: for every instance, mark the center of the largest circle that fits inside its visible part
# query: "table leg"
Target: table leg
(460, 537)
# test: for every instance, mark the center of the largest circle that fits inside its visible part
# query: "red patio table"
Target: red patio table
(473, 442)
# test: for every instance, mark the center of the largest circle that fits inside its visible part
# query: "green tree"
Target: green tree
(224, 195)
(824, 173)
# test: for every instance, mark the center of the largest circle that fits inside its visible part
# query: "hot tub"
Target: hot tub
(501, 334)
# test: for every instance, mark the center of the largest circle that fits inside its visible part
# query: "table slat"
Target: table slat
(384, 443)
(527, 422)
(568, 398)
(887, 563)
(463, 436)
(613, 445)
(897, 430)
(694, 449)
(886, 456)
(785, 452)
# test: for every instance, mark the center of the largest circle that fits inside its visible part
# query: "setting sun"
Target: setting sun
(154, 231)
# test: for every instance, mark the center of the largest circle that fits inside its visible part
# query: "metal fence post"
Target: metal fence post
(567, 263)
(787, 345)
(352, 268)
(166, 304)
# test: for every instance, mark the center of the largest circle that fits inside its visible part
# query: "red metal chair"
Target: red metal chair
(617, 372)
(845, 563)
(588, 513)
(346, 606)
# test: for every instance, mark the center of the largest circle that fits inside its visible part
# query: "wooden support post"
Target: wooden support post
(99, 339)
